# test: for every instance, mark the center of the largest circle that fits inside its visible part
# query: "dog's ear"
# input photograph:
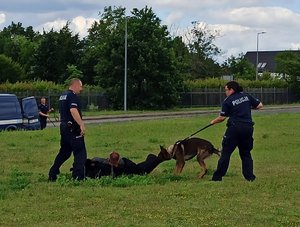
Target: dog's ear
(161, 147)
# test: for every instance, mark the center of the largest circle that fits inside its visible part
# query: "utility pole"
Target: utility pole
(257, 39)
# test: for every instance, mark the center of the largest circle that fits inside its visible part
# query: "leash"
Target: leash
(56, 118)
(51, 121)
(180, 141)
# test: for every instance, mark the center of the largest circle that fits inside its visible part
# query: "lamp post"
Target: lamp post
(125, 68)
(257, 39)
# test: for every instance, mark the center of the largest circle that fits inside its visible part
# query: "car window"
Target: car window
(30, 106)
(9, 107)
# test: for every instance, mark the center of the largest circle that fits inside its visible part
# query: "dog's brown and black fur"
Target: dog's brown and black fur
(185, 150)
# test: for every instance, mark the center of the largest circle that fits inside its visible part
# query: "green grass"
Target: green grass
(159, 199)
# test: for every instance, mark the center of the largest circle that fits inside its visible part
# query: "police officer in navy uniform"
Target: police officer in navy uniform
(72, 132)
(237, 106)
(43, 112)
(115, 166)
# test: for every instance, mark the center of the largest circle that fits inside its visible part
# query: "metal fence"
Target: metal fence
(88, 100)
(196, 98)
(215, 96)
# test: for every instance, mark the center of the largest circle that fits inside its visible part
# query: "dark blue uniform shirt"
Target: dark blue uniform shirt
(67, 101)
(44, 109)
(238, 107)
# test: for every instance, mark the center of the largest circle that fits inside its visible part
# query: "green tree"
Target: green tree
(153, 79)
(239, 67)
(55, 52)
(73, 72)
(182, 55)
(9, 70)
(104, 46)
(14, 29)
(202, 51)
(17, 29)
(288, 65)
(19, 43)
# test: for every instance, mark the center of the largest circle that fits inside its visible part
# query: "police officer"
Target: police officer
(43, 112)
(116, 166)
(237, 106)
(72, 132)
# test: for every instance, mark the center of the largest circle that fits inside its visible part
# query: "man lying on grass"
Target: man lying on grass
(115, 166)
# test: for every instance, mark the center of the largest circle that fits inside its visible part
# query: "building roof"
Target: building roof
(266, 59)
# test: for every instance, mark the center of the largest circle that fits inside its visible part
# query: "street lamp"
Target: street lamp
(125, 68)
(257, 39)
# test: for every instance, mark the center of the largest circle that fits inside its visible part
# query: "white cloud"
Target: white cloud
(81, 25)
(174, 17)
(2, 18)
(239, 28)
(295, 46)
(229, 28)
(78, 25)
(262, 16)
(55, 25)
(237, 20)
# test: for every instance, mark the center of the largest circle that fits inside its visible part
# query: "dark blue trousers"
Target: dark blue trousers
(70, 142)
(130, 167)
(43, 122)
(237, 135)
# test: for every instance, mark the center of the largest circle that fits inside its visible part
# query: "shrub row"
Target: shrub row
(41, 85)
(216, 83)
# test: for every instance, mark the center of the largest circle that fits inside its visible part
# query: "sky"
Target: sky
(237, 21)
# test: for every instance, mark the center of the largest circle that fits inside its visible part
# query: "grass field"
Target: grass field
(159, 199)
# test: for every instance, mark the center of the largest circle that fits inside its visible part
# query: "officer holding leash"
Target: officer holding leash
(72, 132)
(44, 111)
(237, 106)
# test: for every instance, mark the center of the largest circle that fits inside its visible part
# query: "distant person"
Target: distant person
(237, 106)
(44, 112)
(72, 131)
(116, 166)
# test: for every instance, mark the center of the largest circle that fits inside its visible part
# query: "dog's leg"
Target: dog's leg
(200, 158)
(179, 166)
(204, 169)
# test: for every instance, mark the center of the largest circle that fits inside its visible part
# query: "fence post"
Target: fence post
(49, 98)
(89, 97)
(220, 95)
(274, 95)
(191, 98)
(205, 93)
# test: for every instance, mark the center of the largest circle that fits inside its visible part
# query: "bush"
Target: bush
(41, 86)
(10, 70)
(216, 83)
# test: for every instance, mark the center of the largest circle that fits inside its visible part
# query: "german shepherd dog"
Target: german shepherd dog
(184, 150)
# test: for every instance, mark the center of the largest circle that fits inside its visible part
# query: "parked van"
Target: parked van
(13, 116)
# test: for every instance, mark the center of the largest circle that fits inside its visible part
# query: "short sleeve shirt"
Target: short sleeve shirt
(238, 107)
(67, 101)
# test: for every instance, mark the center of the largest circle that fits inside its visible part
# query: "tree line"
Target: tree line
(157, 62)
